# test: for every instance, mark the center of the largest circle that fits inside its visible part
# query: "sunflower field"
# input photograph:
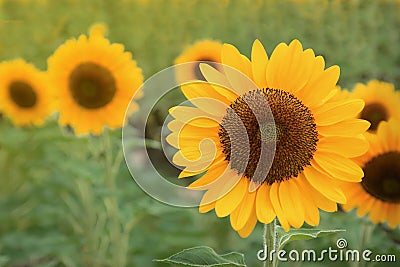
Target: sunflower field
(199, 133)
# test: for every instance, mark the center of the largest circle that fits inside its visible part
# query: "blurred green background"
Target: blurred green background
(57, 208)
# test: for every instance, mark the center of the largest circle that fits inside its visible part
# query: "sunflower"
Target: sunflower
(379, 192)
(313, 137)
(202, 51)
(381, 102)
(24, 93)
(94, 81)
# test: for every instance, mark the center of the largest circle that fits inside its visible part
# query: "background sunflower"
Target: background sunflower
(203, 51)
(25, 95)
(382, 102)
(94, 81)
(378, 195)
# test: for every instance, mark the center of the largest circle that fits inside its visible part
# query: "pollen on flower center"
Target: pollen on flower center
(382, 177)
(22, 94)
(92, 86)
(291, 128)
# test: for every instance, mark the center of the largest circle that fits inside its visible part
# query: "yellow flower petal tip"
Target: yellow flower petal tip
(98, 29)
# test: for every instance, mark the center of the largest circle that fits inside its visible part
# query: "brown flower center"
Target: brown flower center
(22, 94)
(291, 130)
(92, 86)
(374, 113)
(197, 71)
(382, 177)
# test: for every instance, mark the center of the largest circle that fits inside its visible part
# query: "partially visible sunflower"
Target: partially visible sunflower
(94, 81)
(378, 194)
(24, 93)
(381, 102)
(203, 51)
(314, 136)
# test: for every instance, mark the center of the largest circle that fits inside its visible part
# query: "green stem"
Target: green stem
(365, 236)
(271, 242)
(111, 170)
(108, 161)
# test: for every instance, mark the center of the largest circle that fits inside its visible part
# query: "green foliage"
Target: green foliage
(58, 204)
(301, 234)
(205, 256)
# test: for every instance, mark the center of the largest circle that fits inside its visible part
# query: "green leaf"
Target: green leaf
(302, 234)
(3, 260)
(205, 256)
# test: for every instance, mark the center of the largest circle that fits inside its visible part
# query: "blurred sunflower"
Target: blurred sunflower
(24, 93)
(312, 150)
(94, 81)
(379, 192)
(203, 51)
(381, 102)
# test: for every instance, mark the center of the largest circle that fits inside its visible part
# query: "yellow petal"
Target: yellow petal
(190, 138)
(355, 194)
(218, 81)
(246, 208)
(376, 213)
(275, 65)
(366, 206)
(324, 184)
(350, 127)
(206, 207)
(247, 67)
(319, 199)
(320, 85)
(264, 210)
(202, 90)
(338, 166)
(185, 174)
(220, 187)
(199, 164)
(385, 136)
(249, 226)
(394, 216)
(214, 107)
(173, 140)
(228, 203)
(331, 113)
(194, 116)
(259, 62)
(311, 212)
(175, 125)
(231, 56)
(274, 196)
(235, 70)
(294, 71)
(196, 150)
(346, 146)
(290, 199)
(188, 131)
(213, 173)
